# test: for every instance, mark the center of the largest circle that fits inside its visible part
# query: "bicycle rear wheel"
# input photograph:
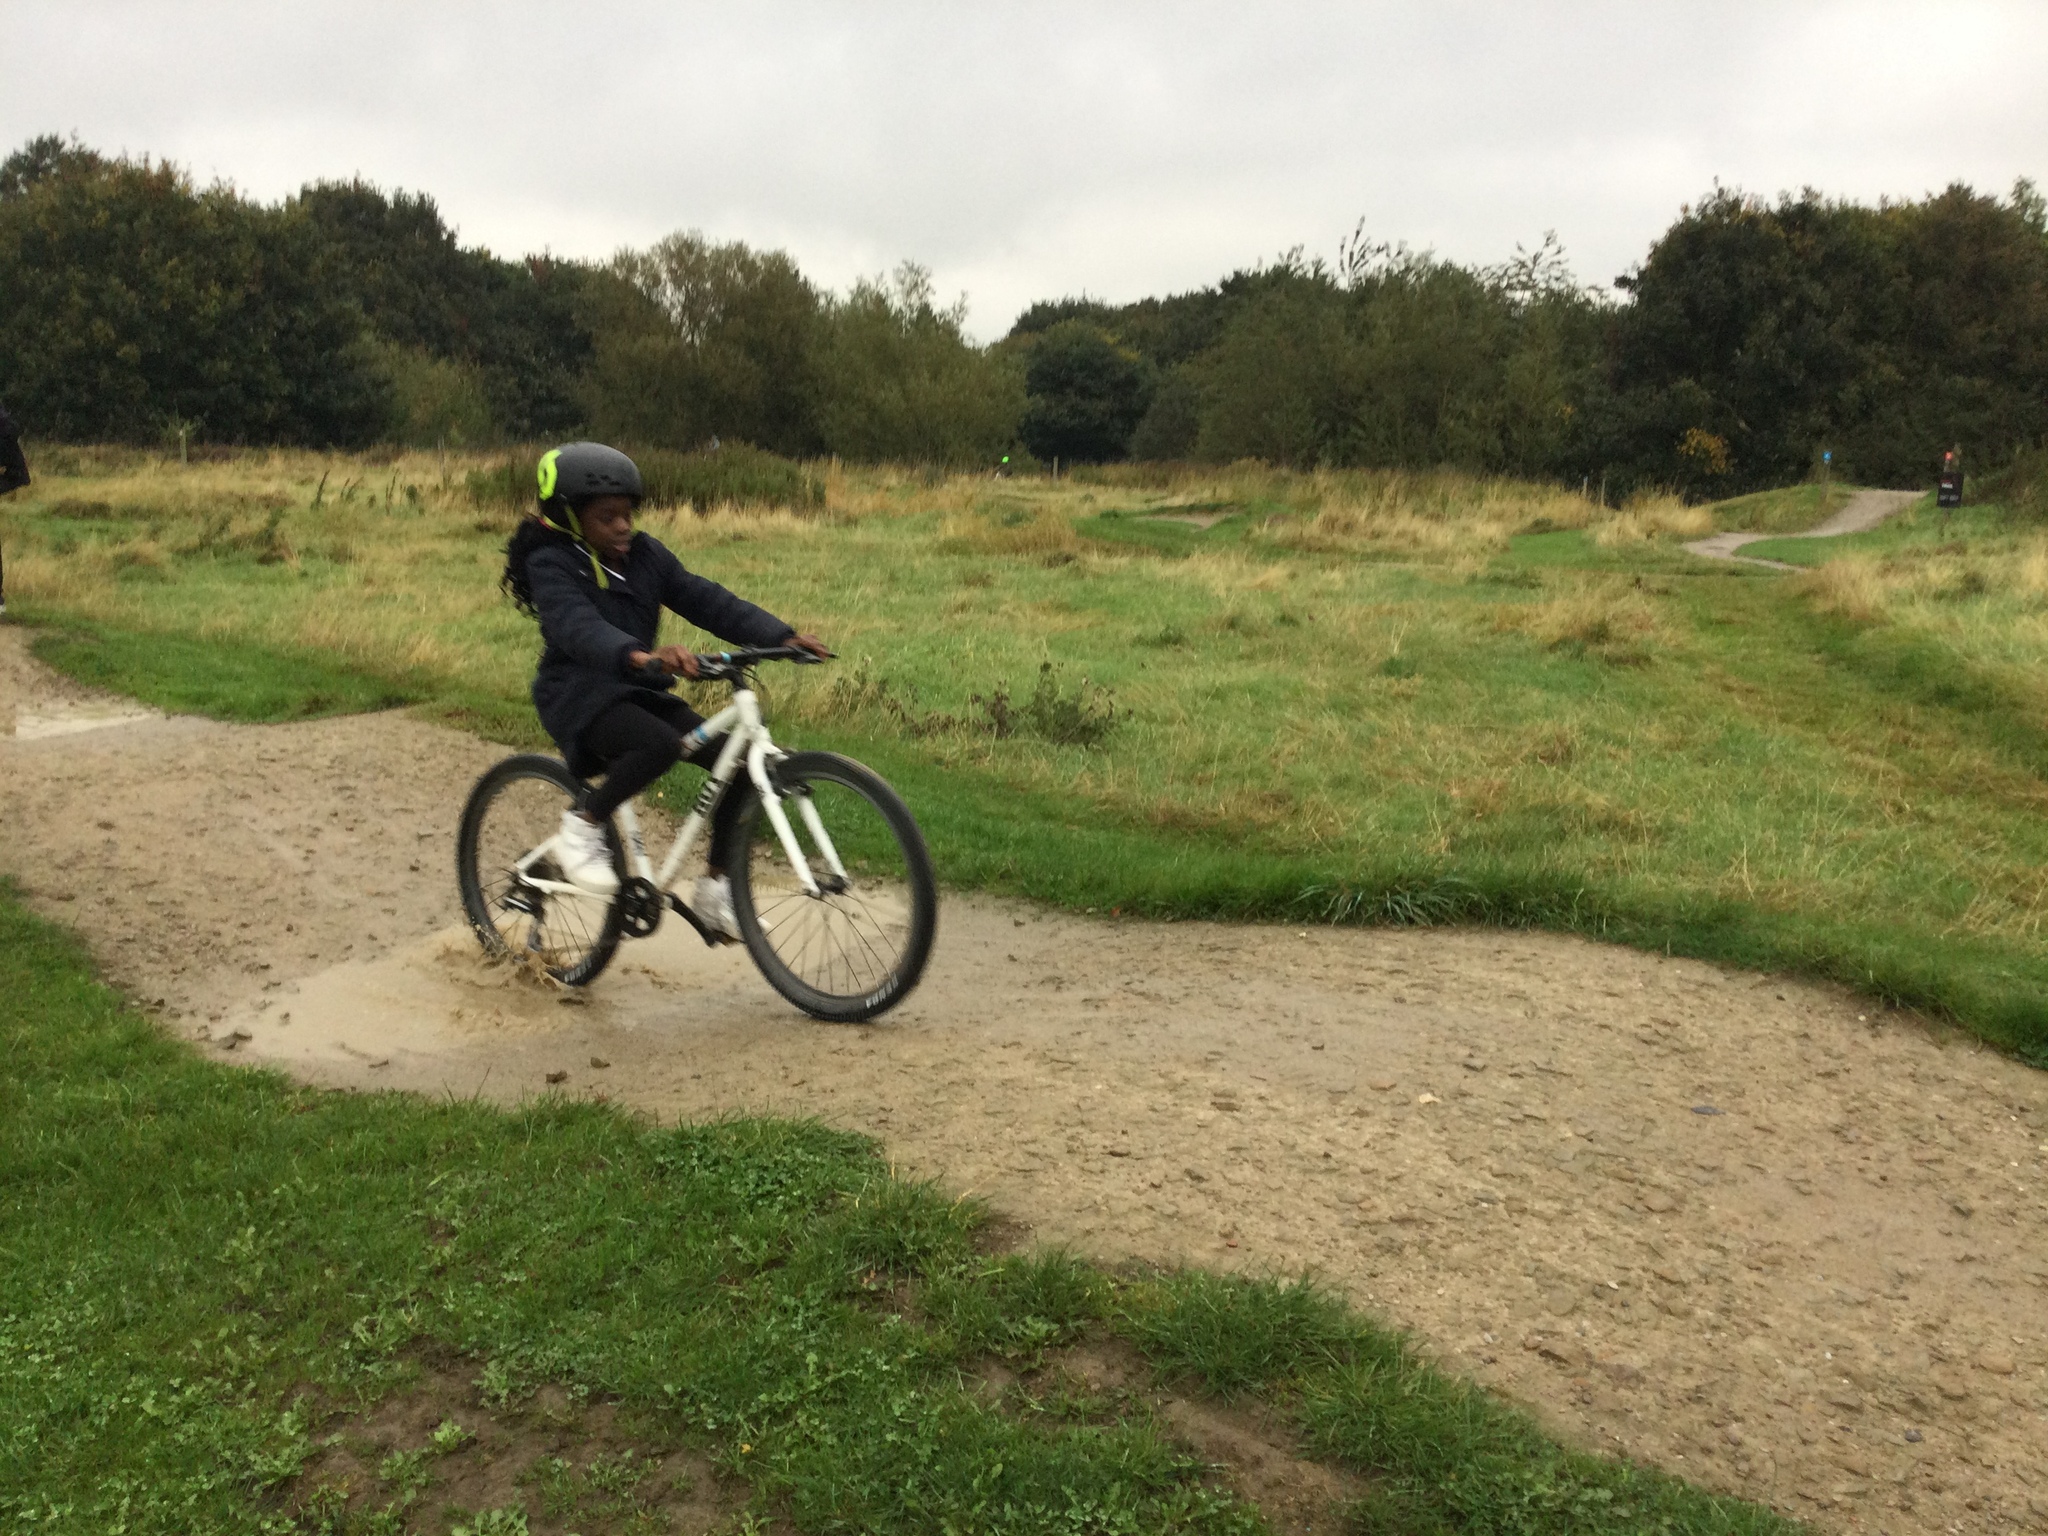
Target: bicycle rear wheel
(856, 949)
(514, 808)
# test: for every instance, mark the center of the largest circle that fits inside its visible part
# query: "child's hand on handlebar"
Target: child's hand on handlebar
(812, 644)
(675, 660)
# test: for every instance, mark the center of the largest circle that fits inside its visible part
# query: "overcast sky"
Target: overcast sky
(1025, 151)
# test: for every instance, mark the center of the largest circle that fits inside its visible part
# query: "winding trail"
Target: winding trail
(1751, 1230)
(1862, 512)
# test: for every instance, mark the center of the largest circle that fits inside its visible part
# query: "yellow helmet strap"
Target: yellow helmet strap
(547, 479)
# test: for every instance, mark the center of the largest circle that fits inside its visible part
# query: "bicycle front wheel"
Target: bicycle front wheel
(516, 807)
(856, 948)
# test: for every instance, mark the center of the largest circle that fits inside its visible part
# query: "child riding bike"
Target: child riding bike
(598, 588)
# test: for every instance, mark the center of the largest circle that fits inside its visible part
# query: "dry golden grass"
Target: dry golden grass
(1440, 515)
(1872, 589)
(1007, 528)
(1659, 516)
(1853, 588)
(680, 528)
(1601, 616)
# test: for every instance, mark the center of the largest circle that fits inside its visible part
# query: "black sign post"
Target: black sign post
(1948, 489)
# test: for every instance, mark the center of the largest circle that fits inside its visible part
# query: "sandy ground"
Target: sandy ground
(1862, 512)
(1752, 1230)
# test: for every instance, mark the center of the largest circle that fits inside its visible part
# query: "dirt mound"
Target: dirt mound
(1747, 1229)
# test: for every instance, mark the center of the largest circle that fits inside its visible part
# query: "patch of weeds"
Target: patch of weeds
(405, 1472)
(863, 693)
(608, 1489)
(1085, 715)
(501, 1384)
(449, 1437)
(1398, 665)
(554, 1479)
(507, 1521)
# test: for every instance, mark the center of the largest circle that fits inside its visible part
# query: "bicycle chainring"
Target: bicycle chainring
(642, 906)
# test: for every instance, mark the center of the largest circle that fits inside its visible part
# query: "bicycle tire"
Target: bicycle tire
(849, 954)
(515, 806)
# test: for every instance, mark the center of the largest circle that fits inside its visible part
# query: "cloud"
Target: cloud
(1027, 151)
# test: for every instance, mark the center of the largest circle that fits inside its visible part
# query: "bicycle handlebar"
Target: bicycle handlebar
(729, 666)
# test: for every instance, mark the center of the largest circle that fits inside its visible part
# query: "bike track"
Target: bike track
(1495, 1139)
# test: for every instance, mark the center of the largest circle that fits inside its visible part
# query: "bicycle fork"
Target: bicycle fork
(772, 800)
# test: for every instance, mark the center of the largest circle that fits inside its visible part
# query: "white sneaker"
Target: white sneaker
(585, 856)
(712, 902)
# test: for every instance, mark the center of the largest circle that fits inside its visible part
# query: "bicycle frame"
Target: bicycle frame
(746, 737)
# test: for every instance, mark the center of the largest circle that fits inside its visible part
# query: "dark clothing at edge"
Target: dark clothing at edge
(13, 467)
(13, 476)
(590, 630)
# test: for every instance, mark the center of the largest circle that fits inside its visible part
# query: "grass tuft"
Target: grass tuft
(1234, 1334)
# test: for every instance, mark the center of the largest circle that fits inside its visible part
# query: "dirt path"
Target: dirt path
(1745, 1228)
(1862, 512)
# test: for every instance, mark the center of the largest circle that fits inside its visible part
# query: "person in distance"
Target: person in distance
(598, 588)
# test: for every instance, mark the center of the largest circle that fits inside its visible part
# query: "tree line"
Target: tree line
(139, 306)
(1753, 337)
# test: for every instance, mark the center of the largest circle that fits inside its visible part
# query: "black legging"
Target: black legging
(637, 740)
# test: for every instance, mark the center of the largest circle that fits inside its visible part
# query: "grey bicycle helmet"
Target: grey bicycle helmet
(579, 472)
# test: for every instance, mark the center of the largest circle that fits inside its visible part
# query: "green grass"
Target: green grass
(226, 679)
(205, 1271)
(1399, 712)
(184, 675)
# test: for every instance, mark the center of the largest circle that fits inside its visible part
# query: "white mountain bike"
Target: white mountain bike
(831, 884)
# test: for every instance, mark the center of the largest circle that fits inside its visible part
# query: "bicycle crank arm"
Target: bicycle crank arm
(564, 888)
(711, 936)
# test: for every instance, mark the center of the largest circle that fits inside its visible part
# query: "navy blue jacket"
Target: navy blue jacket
(590, 631)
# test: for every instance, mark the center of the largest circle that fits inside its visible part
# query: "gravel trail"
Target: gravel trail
(1862, 512)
